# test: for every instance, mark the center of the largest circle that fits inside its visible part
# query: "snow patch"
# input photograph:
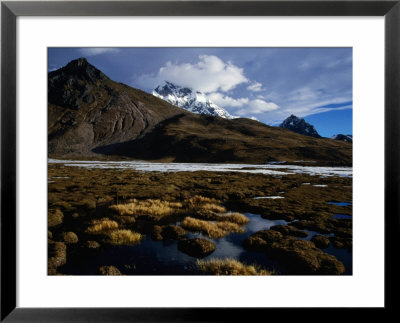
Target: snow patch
(267, 169)
(268, 197)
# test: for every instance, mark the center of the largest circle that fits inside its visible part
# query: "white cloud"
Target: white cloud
(277, 116)
(309, 99)
(321, 110)
(209, 74)
(92, 51)
(255, 87)
(246, 105)
(303, 94)
(227, 101)
(257, 106)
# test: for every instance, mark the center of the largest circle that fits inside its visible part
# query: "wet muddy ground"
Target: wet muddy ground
(134, 222)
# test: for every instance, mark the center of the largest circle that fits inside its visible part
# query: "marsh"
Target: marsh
(135, 216)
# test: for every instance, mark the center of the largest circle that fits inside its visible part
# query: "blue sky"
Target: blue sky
(268, 84)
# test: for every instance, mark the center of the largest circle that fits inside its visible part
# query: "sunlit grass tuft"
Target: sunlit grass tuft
(199, 200)
(147, 207)
(205, 203)
(237, 218)
(213, 207)
(211, 229)
(206, 227)
(229, 266)
(101, 226)
(124, 237)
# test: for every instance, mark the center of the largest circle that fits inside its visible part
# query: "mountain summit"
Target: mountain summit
(300, 126)
(86, 110)
(190, 100)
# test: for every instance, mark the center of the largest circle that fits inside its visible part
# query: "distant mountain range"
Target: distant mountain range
(302, 127)
(89, 115)
(347, 138)
(299, 125)
(190, 100)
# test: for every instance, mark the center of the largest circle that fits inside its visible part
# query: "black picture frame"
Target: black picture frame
(10, 10)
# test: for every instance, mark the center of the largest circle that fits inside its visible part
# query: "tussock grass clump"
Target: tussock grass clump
(69, 237)
(205, 227)
(205, 203)
(125, 219)
(197, 247)
(213, 207)
(199, 200)
(55, 217)
(229, 266)
(212, 230)
(57, 252)
(100, 226)
(237, 218)
(92, 244)
(109, 271)
(147, 207)
(124, 237)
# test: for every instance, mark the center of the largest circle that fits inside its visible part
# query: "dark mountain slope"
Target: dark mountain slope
(197, 138)
(86, 110)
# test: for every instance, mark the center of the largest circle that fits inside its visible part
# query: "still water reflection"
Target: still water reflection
(163, 257)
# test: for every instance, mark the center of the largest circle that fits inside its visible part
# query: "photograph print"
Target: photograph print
(200, 161)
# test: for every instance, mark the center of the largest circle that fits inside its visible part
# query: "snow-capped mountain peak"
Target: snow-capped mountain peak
(188, 99)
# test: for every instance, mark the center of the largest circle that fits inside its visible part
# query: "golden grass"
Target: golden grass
(103, 225)
(125, 219)
(147, 207)
(237, 218)
(229, 266)
(55, 217)
(206, 227)
(212, 230)
(205, 203)
(199, 200)
(213, 207)
(124, 237)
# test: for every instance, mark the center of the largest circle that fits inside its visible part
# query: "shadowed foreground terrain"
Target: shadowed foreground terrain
(109, 221)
